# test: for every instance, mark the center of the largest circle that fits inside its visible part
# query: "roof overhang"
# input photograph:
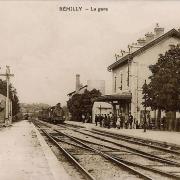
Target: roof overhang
(70, 94)
(115, 98)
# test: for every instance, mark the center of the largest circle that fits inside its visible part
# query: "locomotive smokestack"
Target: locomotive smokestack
(77, 82)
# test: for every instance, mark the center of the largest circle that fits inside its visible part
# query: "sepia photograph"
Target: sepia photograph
(89, 90)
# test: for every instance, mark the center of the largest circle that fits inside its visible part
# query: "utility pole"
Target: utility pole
(8, 119)
(145, 121)
(137, 93)
(129, 48)
(115, 79)
(121, 82)
(100, 109)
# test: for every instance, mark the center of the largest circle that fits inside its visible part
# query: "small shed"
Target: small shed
(3, 108)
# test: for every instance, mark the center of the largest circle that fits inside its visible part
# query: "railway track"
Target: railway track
(173, 165)
(83, 155)
(142, 151)
(156, 145)
(150, 143)
(136, 142)
(153, 168)
(81, 173)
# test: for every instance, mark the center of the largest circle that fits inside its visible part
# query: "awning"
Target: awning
(114, 97)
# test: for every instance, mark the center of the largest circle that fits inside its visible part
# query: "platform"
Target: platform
(166, 137)
(24, 155)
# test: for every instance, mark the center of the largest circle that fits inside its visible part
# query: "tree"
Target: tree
(145, 89)
(80, 104)
(12, 95)
(163, 91)
(15, 105)
(74, 106)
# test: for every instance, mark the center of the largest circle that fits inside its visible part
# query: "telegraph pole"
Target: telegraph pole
(128, 79)
(115, 78)
(100, 109)
(145, 105)
(121, 82)
(8, 119)
(137, 93)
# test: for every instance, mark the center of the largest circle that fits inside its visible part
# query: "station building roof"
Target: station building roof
(121, 61)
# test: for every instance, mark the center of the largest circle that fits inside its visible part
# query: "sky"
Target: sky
(45, 48)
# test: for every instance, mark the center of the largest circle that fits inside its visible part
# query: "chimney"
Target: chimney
(77, 82)
(158, 31)
(149, 37)
(141, 42)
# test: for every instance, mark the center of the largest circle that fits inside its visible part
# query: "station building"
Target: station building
(130, 71)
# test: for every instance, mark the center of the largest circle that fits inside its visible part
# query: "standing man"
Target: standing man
(100, 120)
(164, 123)
(108, 121)
(90, 119)
(118, 123)
(121, 121)
(126, 121)
(105, 120)
(145, 122)
(114, 121)
(130, 119)
(83, 118)
(96, 119)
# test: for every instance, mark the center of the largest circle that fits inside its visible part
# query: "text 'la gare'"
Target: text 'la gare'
(80, 8)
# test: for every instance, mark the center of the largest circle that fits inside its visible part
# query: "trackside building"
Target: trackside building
(130, 71)
(3, 108)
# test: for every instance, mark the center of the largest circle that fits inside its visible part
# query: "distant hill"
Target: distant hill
(34, 107)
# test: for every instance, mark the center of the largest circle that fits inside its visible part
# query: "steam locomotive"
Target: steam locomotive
(54, 114)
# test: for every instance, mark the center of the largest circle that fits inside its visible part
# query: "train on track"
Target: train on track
(54, 114)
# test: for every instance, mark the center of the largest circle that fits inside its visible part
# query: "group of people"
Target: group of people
(109, 120)
(86, 118)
